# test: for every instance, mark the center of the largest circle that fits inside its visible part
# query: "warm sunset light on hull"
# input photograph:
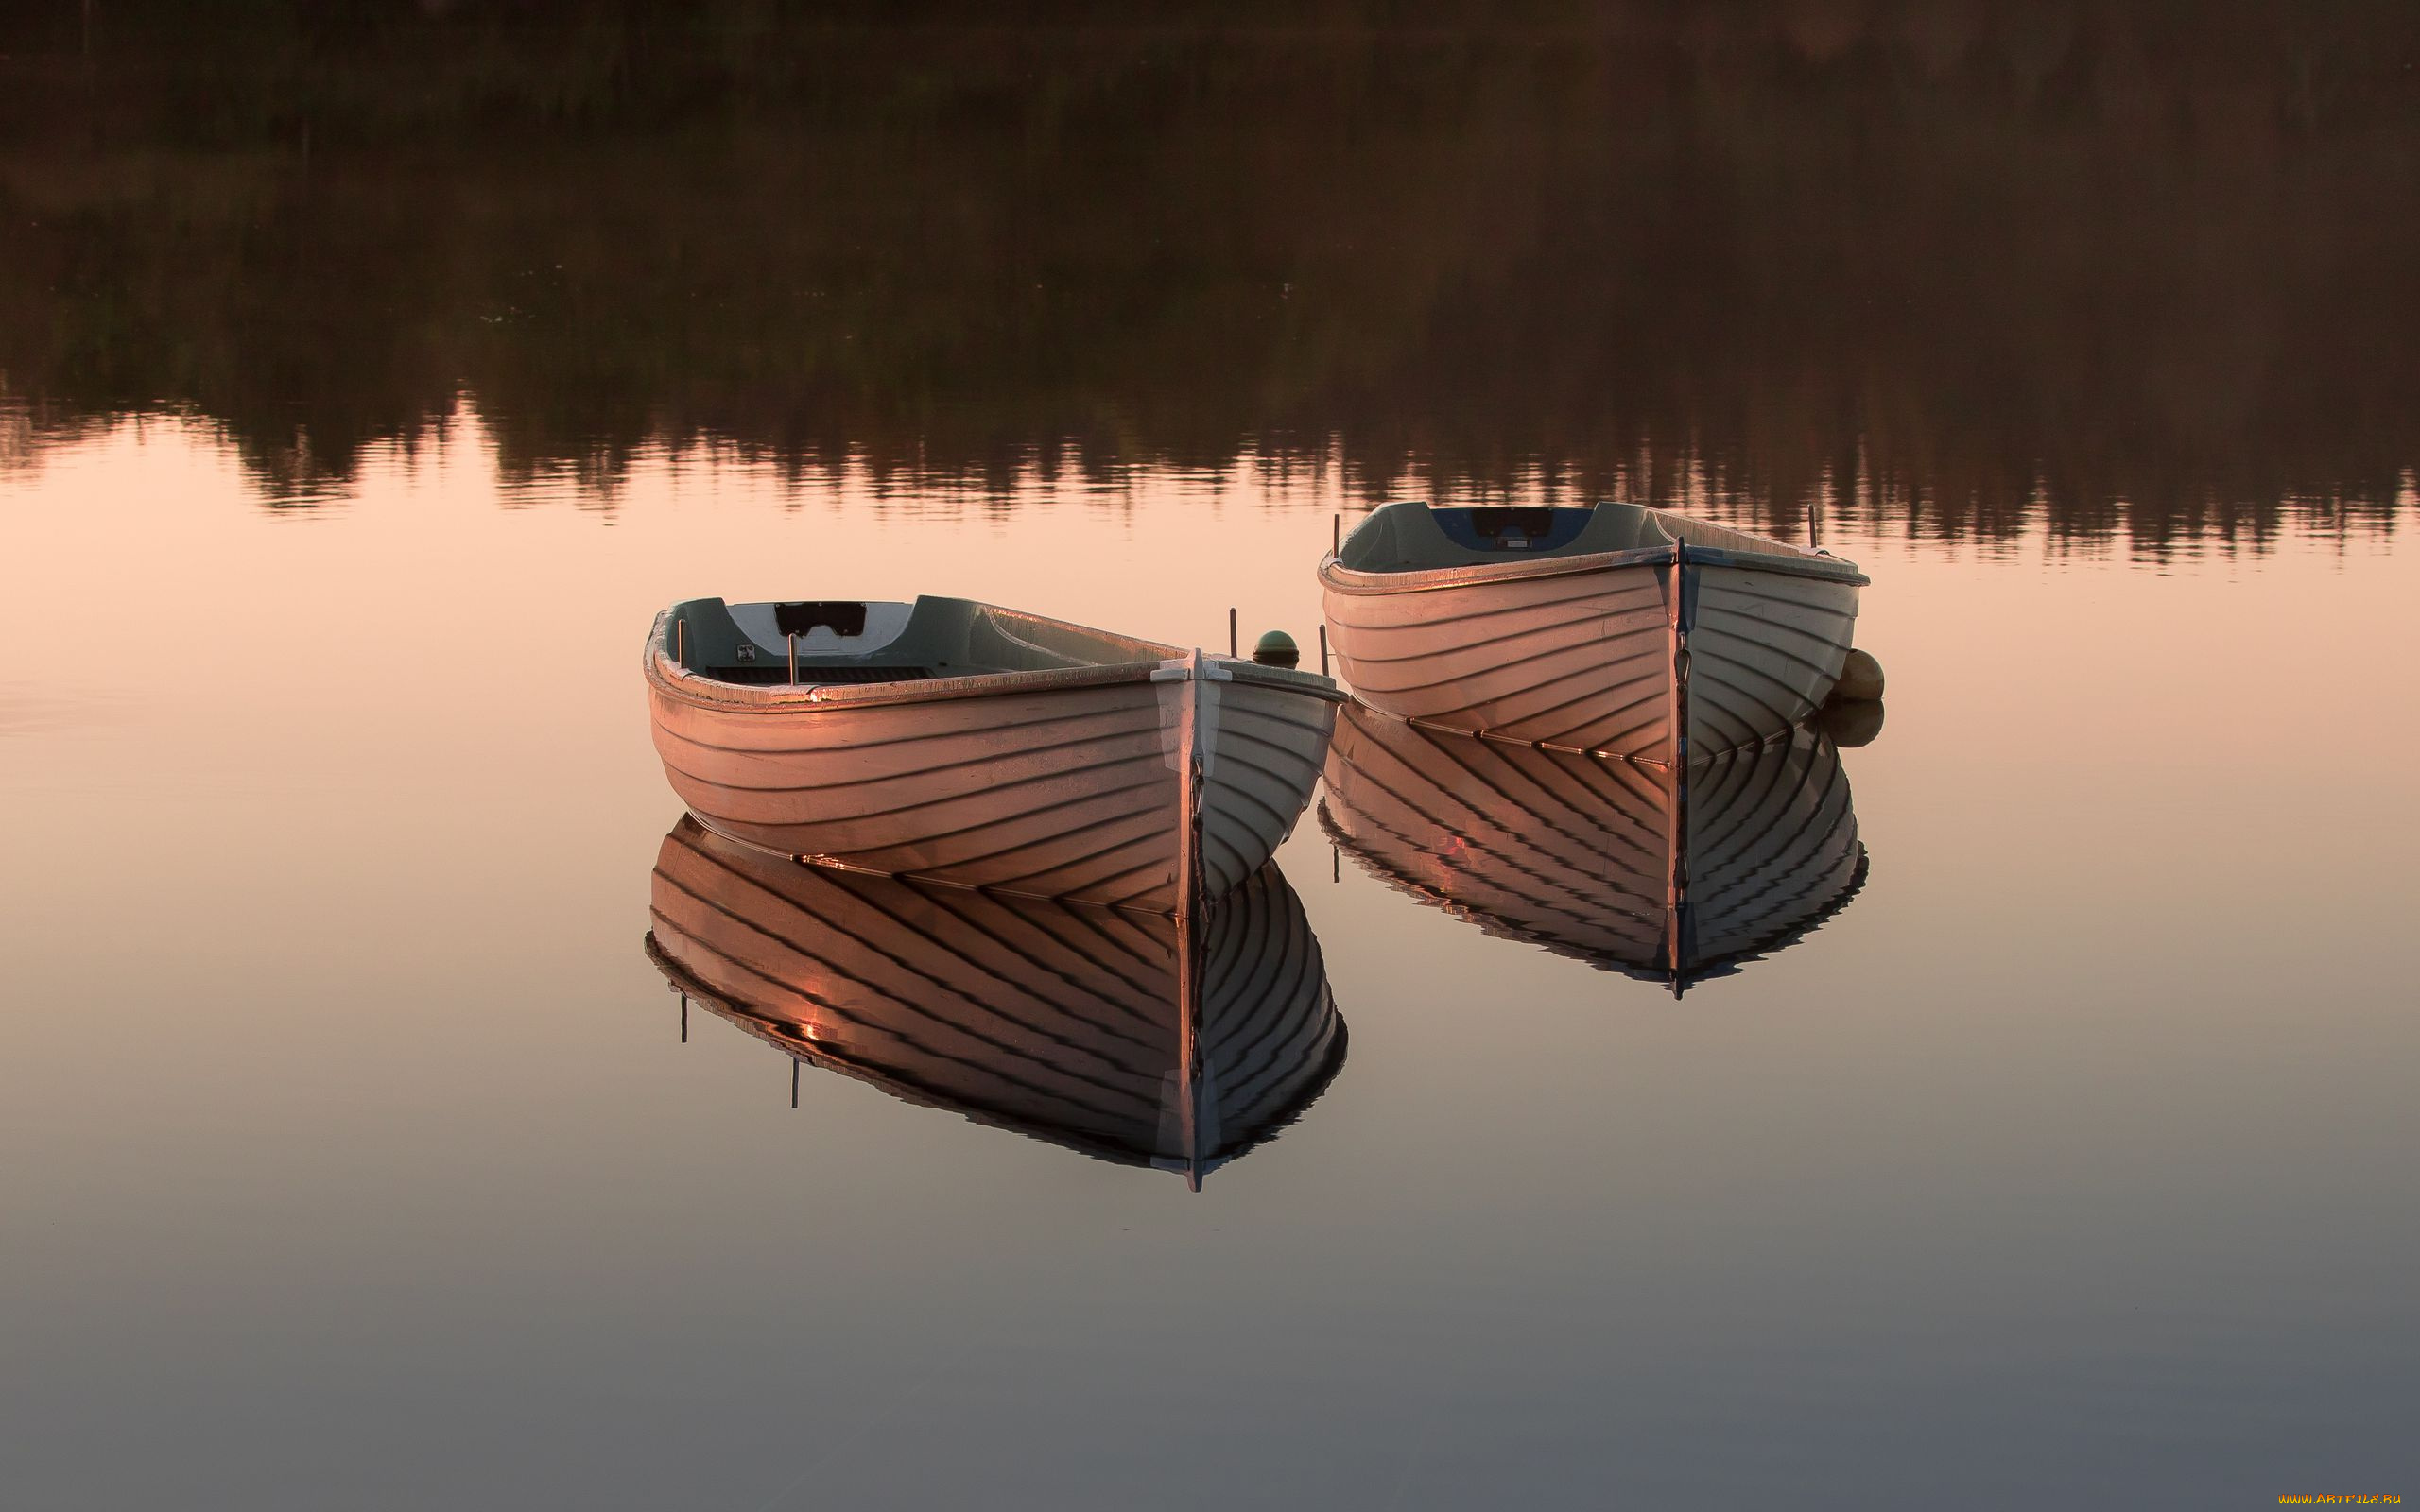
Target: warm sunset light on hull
(1070, 764)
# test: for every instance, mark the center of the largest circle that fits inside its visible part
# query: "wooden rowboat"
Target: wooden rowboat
(960, 743)
(1178, 1042)
(1671, 874)
(1615, 630)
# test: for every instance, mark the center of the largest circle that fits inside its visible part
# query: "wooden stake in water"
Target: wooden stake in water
(1322, 649)
(1234, 642)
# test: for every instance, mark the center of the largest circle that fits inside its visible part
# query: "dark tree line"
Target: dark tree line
(2141, 267)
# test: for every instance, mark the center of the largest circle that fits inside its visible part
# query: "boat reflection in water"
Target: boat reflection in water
(1131, 1036)
(1673, 876)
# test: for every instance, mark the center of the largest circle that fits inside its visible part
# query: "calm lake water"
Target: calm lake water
(355, 1156)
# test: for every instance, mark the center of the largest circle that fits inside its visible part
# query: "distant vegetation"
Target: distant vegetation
(2142, 266)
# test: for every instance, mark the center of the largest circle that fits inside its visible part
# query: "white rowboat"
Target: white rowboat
(1178, 1044)
(1617, 630)
(964, 745)
(1670, 875)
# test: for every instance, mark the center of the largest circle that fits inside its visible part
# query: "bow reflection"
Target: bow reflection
(1132, 1038)
(1671, 876)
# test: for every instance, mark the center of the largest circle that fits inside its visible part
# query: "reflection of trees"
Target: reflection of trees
(2147, 264)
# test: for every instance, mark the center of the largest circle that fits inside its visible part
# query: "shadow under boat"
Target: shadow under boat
(1667, 875)
(1134, 1038)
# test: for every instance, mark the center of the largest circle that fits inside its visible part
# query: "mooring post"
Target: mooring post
(685, 1018)
(1322, 649)
(1234, 640)
(1336, 534)
(793, 657)
(793, 1083)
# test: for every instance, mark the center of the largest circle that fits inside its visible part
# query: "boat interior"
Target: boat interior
(852, 641)
(1415, 537)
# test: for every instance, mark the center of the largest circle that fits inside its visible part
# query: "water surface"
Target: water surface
(356, 1158)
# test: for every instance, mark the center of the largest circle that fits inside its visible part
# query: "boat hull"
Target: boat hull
(1666, 873)
(1072, 784)
(1648, 655)
(1765, 649)
(1142, 1040)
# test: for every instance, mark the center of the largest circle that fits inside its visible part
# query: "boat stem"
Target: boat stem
(1188, 776)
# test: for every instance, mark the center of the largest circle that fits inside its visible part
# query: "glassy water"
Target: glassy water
(2033, 1121)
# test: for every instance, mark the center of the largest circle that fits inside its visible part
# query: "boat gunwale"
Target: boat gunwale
(699, 690)
(1360, 582)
